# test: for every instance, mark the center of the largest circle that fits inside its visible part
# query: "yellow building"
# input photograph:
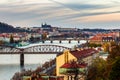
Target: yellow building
(84, 55)
(26, 77)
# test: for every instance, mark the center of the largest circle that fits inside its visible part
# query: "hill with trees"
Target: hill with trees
(6, 28)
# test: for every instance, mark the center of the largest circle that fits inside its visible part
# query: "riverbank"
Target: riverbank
(39, 71)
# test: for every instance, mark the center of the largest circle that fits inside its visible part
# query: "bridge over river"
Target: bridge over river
(46, 47)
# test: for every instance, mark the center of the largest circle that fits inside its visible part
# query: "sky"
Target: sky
(61, 13)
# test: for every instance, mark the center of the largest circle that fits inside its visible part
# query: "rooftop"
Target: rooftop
(83, 53)
(73, 65)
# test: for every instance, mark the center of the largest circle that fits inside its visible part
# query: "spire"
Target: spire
(45, 23)
(41, 24)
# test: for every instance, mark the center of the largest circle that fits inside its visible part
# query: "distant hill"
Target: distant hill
(5, 28)
(99, 30)
(96, 30)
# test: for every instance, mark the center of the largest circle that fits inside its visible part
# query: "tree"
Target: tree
(44, 36)
(106, 70)
(96, 71)
(115, 71)
(2, 42)
(94, 45)
(113, 54)
(106, 47)
(32, 39)
(11, 39)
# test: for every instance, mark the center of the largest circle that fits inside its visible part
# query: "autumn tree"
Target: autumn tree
(94, 45)
(11, 39)
(109, 69)
(115, 71)
(2, 42)
(44, 36)
(113, 54)
(106, 47)
(96, 71)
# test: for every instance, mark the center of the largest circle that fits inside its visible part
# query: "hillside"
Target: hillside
(6, 28)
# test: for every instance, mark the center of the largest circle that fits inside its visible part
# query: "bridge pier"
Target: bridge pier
(22, 61)
(69, 41)
(51, 41)
(43, 41)
(60, 41)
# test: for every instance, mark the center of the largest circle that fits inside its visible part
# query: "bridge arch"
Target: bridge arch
(41, 49)
(37, 49)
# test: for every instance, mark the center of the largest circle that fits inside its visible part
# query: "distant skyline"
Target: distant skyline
(61, 13)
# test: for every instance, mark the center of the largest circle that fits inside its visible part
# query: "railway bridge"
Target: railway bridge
(37, 49)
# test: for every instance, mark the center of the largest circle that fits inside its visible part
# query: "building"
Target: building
(105, 37)
(46, 27)
(82, 56)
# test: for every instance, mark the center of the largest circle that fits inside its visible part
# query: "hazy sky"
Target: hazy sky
(62, 13)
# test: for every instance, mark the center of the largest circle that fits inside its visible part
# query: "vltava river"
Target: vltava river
(9, 64)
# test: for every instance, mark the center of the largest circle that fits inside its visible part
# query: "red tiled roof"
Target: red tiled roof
(83, 53)
(73, 65)
(98, 37)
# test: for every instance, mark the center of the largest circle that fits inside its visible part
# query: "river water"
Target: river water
(9, 63)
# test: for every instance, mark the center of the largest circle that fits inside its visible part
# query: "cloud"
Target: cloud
(58, 12)
(80, 6)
